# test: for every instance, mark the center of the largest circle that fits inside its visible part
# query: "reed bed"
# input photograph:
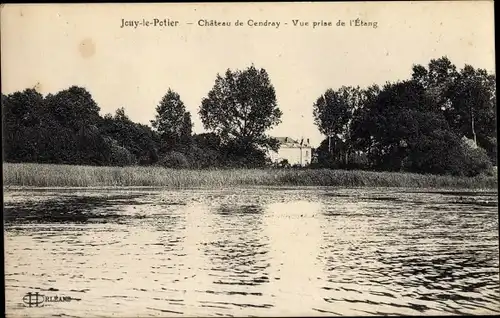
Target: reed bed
(47, 175)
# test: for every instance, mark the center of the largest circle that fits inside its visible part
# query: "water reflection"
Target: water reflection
(293, 253)
(238, 261)
(254, 252)
(407, 259)
(69, 208)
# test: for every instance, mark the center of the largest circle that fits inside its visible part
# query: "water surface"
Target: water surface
(252, 252)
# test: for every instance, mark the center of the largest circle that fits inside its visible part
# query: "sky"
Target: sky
(52, 47)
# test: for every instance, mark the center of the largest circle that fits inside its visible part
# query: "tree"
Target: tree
(205, 151)
(392, 121)
(139, 140)
(207, 141)
(466, 97)
(400, 128)
(328, 152)
(240, 108)
(474, 108)
(74, 107)
(172, 122)
(75, 113)
(438, 81)
(333, 112)
(21, 125)
(439, 71)
(187, 129)
(361, 124)
(174, 159)
(59, 128)
(121, 116)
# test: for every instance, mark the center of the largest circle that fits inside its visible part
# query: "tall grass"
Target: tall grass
(46, 175)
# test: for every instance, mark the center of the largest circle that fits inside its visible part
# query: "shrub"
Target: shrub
(203, 157)
(476, 161)
(174, 159)
(357, 160)
(447, 155)
(284, 164)
(119, 155)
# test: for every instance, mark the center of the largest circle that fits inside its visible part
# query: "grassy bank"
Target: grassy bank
(43, 175)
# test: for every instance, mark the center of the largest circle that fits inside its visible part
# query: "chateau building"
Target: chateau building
(296, 152)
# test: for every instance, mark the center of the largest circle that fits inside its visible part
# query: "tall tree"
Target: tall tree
(74, 107)
(362, 126)
(138, 139)
(21, 125)
(120, 115)
(240, 108)
(438, 80)
(474, 105)
(172, 122)
(187, 129)
(75, 110)
(333, 112)
(466, 97)
(387, 125)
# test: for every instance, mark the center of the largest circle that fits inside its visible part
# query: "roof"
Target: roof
(292, 143)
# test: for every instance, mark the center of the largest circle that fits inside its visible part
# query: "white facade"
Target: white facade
(295, 152)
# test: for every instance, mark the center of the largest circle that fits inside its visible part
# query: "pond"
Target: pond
(251, 252)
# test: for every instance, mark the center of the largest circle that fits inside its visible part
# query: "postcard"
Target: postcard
(250, 159)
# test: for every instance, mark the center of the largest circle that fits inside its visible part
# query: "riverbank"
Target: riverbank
(47, 175)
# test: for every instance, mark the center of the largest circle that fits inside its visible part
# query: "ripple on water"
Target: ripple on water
(255, 252)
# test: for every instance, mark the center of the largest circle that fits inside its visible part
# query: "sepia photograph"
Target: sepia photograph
(250, 159)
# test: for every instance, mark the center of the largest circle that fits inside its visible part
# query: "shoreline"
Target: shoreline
(284, 187)
(51, 176)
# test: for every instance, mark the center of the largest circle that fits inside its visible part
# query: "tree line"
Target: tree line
(66, 128)
(442, 120)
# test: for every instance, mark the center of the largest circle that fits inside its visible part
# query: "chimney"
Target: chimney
(308, 141)
(286, 139)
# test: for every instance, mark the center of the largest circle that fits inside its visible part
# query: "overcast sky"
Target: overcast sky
(55, 46)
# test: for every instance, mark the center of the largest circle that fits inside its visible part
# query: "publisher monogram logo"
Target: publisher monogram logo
(37, 299)
(33, 299)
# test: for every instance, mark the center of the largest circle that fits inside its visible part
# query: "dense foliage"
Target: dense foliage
(67, 128)
(418, 125)
(442, 121)
(239, 109)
